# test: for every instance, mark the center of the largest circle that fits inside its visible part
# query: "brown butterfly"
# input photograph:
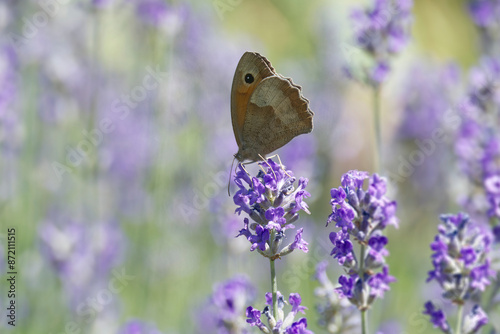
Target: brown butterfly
(267, 109)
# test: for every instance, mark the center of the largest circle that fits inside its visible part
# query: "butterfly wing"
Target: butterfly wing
(276, 113)
(259, 68)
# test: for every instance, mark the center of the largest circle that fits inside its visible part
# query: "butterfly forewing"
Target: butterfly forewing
(251, 66)
(276, 113)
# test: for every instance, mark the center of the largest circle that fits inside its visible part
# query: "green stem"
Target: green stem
(378, 132)
(364, 322)
(459, 319)
(493, 293)
(91, 121)
(274, 289)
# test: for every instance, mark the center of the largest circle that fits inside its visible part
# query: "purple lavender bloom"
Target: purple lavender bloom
(299, 327)
(427, 94)
(485, 13)
(295, 301)
(492, 188)
(336, 314)
(224, 312)
(253, 316)
(379, 283)
(460, 258)
(273, 203)
(474, 320)
(9, 118)
(283, 324)
(83, 255)
(496, 233)
(362, 214)
(461, 267)
(438, 318)
(346, 288)
(299, 243)
(381, 31)
(152, 11)
(259, 239)
(342, 250)
(477, 144)
(138, 327)
(102, 3)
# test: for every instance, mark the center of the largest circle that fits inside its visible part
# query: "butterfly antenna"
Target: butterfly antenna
(229, 181)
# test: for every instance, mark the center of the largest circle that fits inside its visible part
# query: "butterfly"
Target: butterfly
(267, 109)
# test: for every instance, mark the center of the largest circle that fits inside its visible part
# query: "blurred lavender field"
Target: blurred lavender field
(116, 144)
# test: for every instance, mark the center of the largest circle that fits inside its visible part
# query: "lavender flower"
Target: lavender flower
(9, 118)
(138, 327)
(474, 320)
(224, 312)
(363, 215)
(156, 13)
(82, 255)
(478, 140)
(336, 314)
(485, 13)
(427, 94)
(424, 156)
(461, 268)
(438, 318)
(281, 324)
(381, 31)
(273, 203)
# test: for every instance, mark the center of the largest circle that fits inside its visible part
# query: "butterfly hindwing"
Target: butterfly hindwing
(276, 113)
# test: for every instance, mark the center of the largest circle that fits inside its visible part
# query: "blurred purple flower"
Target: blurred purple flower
(138, 327)
(225, 310)
(82, 254)
(427, 97)
(474, 320)
(9, 81)
(381, 31)
(438, 318)
(336, 314)
(486, 15)
(485, 12)
(477, 144)
(159, 14)
(427, 94)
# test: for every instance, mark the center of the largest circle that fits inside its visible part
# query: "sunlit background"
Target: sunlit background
(116, 144)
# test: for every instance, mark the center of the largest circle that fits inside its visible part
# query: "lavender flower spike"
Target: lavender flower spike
(223, 312)
(282, 324)
(336, 315)
(273, 203)
(381, 31)
(460, 258)
(462, 268)
(362, 214)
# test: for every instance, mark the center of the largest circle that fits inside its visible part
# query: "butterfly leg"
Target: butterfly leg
(265, 160)
(279, 160)
(243, 167)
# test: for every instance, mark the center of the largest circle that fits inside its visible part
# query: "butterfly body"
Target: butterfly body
(267, 109)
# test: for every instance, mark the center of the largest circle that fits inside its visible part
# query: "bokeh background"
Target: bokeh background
(116, 145)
